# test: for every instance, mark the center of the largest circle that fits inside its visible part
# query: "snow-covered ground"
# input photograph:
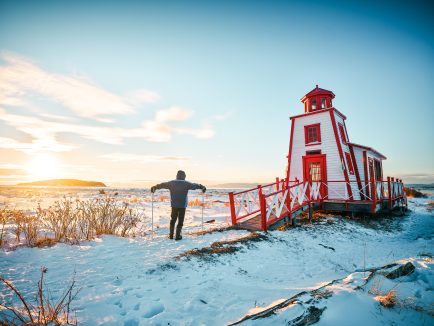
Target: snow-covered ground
(140, 281)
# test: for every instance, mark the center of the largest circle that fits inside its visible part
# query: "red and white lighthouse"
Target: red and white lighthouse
(320, 150)
(325, 171)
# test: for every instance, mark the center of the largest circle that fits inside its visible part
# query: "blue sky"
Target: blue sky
(216, 81)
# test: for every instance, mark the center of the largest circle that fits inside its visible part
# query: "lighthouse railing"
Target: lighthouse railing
(281, 203)
(245, 204)
(277, 200)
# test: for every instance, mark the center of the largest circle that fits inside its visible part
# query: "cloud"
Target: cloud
(124, 157)
(204, 133)
(141, 96)
(45, 132)
(174, 113)
(221, 117)
(21, 77)
(38, 145)
(6, 172)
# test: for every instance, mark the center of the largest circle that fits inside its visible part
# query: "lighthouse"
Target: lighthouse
(320, 150)
(325, 171)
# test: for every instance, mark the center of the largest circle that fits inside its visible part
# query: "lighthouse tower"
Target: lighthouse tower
(325, 171)
(320, 150)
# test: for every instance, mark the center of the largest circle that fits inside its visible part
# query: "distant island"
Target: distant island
(62, 183)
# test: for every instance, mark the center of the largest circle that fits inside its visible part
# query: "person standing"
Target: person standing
(179, 201)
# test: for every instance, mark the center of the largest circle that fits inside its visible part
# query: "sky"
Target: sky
(128, 92)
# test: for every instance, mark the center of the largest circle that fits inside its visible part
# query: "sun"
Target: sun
(43, 167)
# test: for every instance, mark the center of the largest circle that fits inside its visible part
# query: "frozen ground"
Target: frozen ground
(141, 282)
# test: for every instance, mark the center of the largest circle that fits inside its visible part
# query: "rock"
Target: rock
(402, 270)
(311, 316)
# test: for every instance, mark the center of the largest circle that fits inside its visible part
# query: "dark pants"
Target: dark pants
(177, 214)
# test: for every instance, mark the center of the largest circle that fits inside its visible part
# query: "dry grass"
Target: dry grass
(45, 242)
(222, 247)
(72, 221)
(43, 311)
(389, 300)
(4, 217)
(411, 192)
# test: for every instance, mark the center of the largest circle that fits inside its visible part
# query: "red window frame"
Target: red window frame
(343, 134)
(317, 131)
(349, 163)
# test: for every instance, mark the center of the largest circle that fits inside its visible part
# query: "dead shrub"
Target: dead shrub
(60, 219)
(4, 217)
(43, 311)
(18, 218)
(30, 226)
(44, 242)
(411, 192)
(106, 216)
(388, 300)
(72, 221)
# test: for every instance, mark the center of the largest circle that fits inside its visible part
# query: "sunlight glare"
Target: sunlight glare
(43, 167)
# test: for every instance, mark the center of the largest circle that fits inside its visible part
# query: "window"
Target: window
(323, 102)
(349, 163)
(314, 171)
(312, 134)
(313, 102)
(313, 152)
(343, 134)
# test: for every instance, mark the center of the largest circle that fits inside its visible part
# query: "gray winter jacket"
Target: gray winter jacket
(178, 191)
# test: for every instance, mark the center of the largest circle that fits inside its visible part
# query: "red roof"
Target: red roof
(369, 149)
(318, 91)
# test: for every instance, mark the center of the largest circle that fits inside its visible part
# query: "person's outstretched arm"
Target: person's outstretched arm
(194, 186)
(163, 185)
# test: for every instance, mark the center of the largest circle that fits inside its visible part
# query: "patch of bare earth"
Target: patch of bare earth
(223, 247)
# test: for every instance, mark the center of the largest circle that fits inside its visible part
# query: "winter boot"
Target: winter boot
(178, 232)
(171, 231)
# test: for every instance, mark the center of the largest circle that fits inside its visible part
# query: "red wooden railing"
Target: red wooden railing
(280, 199)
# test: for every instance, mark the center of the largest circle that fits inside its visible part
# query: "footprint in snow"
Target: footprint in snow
(154, 310)
(131, 322)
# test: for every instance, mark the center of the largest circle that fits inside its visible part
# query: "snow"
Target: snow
(140, 281)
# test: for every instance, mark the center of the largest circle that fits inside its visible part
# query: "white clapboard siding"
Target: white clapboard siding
(328, 146)
(346, 149)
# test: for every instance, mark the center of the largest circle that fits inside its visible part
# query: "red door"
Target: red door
(314, 170)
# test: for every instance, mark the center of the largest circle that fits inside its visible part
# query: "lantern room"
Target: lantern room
(317, 99)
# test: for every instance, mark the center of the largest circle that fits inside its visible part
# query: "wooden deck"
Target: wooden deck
(254, 223)
(269, 206)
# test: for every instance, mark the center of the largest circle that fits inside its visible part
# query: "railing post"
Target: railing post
(288, 201)
(389, 194)
(393, 190)
(232, 203)
(263, 206)
(374, 194)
